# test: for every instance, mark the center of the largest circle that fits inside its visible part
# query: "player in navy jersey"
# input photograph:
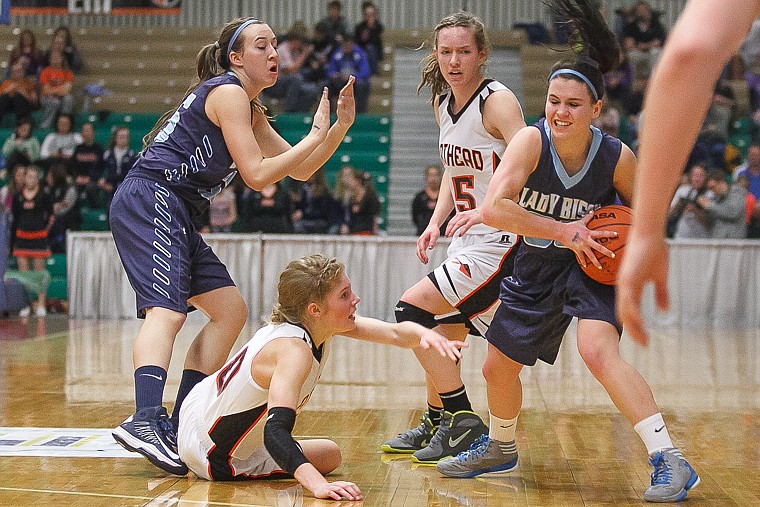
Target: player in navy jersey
(237, 424)
(219, 129)
(678, 95)
(553, 175)
(477, 118)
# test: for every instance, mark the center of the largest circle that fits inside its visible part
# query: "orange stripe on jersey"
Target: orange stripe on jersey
(490, 278)
(31, 234)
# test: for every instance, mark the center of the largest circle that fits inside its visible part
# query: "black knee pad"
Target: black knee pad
(408, 312)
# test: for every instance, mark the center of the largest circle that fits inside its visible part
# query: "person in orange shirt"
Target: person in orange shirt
(18, 93)
(55, 90)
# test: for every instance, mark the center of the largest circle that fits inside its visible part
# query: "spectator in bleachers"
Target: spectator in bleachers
(27, 51)
(64, 43)
(424, 201)
(361, 207)
(751, 170)
(334, 26)
(14, 184)
(32, 217)
(86, 167)
(643, 38)
(349, 60)
(315, 69)
(63, 195)
(22, 142)
(55, 89)
(687, 218)
(316, 211)
(223, 211)
(61, 143)
(752, 208)
(608, 120)
(299, 93)
(18, 93)
(118, 159)
(618, 83)
(711, 143)
(369, 35)
(271, 210)
(750, 55)
(725, 207)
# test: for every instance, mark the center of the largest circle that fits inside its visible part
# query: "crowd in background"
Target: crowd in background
(46, 182)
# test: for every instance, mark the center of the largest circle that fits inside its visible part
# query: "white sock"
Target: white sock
(653, 433)
(502, 430)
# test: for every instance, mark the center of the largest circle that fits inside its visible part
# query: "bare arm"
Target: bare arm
(408, 335)
(502, 118)
(502, 210)
(292, 364)
(228, 107)
(677, 100)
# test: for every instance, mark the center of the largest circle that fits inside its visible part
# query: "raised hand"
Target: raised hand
(321, 123)
(346, 109)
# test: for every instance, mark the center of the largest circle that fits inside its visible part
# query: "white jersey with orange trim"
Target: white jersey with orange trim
(221, 431)
(468, 151)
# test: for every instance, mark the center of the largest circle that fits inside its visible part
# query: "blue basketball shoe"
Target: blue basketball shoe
(672, 478)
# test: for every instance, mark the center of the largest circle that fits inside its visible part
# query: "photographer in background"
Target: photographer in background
(725, 206)
(687, 219)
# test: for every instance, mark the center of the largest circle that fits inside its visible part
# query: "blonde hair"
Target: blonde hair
(431, 71)
(305, 280)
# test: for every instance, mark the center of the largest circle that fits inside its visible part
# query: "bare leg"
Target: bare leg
(40, 264)
(502, 384)
(442, 374)
(227, 314)
(155, 340)
(599, 346)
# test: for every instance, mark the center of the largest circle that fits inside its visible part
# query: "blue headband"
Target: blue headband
(579, 75)
(237, 32)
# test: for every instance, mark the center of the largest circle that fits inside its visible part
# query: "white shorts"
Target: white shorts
(470, 277)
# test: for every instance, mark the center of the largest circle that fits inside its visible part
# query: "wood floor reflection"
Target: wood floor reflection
(575, 449)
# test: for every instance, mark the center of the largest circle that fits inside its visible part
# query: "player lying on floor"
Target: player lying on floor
(237, 423)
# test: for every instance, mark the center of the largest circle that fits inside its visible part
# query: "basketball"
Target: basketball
(609, 218)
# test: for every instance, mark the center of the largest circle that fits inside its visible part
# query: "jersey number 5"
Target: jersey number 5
(464, 199)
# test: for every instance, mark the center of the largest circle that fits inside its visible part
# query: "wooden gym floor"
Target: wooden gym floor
(575, 449)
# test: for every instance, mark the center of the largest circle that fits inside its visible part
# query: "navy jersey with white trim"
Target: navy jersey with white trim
(550, 191)
(189, 154)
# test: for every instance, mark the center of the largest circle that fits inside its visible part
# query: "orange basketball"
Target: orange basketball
(609, 218)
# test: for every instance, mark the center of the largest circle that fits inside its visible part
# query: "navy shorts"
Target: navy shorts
(540, 299)
(166, 260)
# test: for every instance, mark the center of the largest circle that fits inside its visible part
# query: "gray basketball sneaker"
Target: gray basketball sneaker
(485, 456)
(456, 433)
(672, 478)
(411, 440)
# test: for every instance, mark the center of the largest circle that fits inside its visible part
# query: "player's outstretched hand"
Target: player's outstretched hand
(426, 242)
(445, 347)
(346, 109)
(463, 221)
(338, 490)
(321, 123)
(646, 260)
